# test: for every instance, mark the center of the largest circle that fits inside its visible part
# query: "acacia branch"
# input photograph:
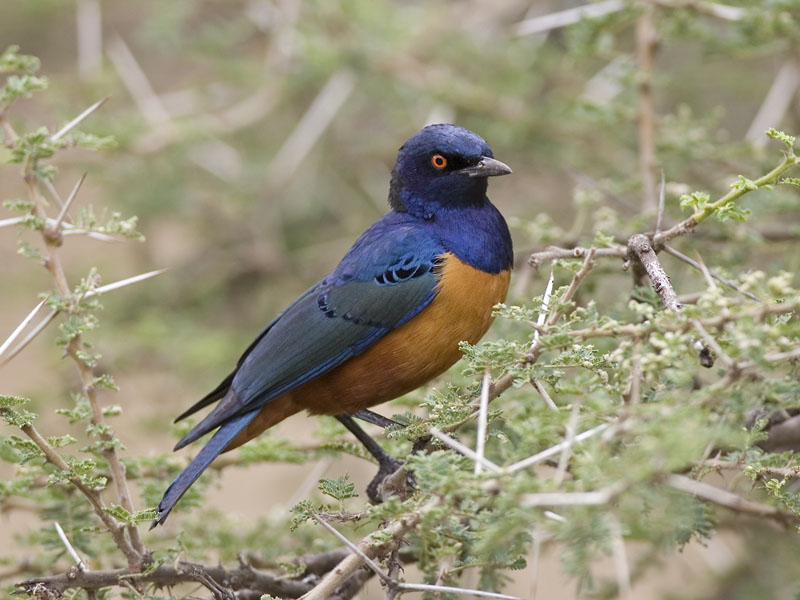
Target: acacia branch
(688, 224)
(91, 495)
(642, 249)
(243, 578)
(52, 238)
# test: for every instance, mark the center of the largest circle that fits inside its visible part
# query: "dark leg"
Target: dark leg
(387, 464)
(375, 419)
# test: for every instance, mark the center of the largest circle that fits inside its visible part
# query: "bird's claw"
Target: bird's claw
(392, 479)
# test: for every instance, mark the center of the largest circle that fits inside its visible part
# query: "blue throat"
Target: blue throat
(474, 231)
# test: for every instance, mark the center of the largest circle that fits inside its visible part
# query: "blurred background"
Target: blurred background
(255, 141)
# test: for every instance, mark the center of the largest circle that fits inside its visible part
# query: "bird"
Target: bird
(389, 318)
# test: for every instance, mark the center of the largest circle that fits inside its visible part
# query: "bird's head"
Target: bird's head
(442, 166)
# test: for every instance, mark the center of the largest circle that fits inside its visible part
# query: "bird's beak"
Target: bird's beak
(487, 167)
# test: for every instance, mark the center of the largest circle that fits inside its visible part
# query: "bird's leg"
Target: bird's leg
(381, 421)
(375, 419)
(387, 464)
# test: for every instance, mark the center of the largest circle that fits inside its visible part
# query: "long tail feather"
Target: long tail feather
(215, 445)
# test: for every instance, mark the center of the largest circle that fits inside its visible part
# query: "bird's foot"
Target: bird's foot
(392, 479)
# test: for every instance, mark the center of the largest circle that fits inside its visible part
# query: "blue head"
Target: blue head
(442, 166)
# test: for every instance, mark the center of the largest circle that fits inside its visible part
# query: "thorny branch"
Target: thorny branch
(245, 577)
(52, 238)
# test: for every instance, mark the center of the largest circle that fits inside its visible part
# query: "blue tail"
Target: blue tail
(210, 451)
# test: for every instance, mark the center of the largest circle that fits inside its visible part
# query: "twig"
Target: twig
(588, 265)
(714, 9)
(553, 450)
(681, 256)
(91, 495)
(563, 460)
(543, 393)
(555, 253)
(646, 45)
(635, 390)
(370, 546)
(725, 498)
(426, 587)
(91, 293)
(566, 498)
(76, 349)
(783, 472)
(483, 414)
(688, 224)
(81, 565)
(661, 202)
(642, 249)
(620, 557)
(369, 562)
(712, 343)
(568, 17)
(462, 449)
(245, 577)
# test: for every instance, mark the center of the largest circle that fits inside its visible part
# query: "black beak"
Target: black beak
(487, 167)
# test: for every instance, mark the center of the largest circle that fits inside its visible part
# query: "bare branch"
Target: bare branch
(369, 562)
(642, 248)
(555, 253)
(661, 202)
(725, 498)
(483, 413)
(568, 17)
(554, 450)
(698, 266)
(426, 587)
(462, 449)
(243, 578)
(81, 565)
(543, 393)
(372, 548)
(567, 498)
(621, 567)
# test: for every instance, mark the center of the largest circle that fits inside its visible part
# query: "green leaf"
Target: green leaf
(695, 200)
(339, 488)
(781, 136)
(11, 60)
(7, 401)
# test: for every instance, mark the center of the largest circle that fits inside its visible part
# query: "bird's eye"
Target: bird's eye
(438, 161)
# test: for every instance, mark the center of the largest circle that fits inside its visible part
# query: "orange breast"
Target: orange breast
(404, 359)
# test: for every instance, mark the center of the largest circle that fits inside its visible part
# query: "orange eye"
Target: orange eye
(438, 161)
